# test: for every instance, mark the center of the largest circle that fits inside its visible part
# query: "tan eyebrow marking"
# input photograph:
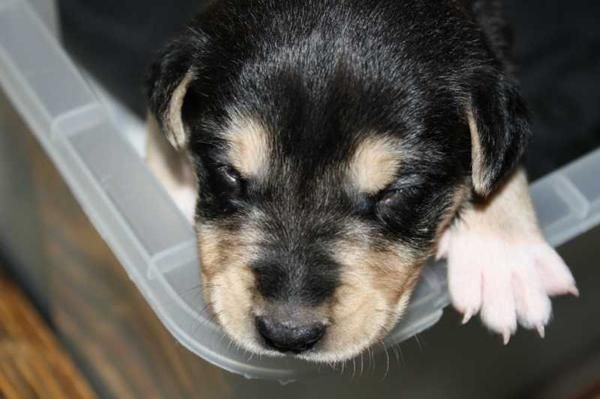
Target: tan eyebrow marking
(249, 145)
(375, 163)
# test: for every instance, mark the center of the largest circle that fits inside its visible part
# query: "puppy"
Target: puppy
(326, 149)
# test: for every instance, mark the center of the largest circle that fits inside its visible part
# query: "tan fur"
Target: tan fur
(510, 209)
(232, 303)
(228, 282)
(374, 291)
(210, 249)
(375, 163)
(176, 132)
(218, 248)
(249, 145)
(479, 175)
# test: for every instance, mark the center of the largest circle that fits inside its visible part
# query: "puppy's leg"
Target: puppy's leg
(500, 265)
(172, 168)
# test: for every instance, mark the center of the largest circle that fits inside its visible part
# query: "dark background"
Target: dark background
(557, 49)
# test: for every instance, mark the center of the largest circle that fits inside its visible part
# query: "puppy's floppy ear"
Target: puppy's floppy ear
(168, 80)
(499, 125)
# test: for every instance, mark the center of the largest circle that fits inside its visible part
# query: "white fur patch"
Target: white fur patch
(185, 197)
(173, 169)
(500, 266)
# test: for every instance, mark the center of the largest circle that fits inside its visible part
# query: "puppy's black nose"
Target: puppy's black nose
(289, 336)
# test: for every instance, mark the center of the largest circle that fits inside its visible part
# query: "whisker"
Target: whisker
(387, 362)
(362, 369)
(419, 342)
(395, 352)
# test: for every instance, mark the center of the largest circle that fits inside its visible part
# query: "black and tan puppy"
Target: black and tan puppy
(335, 145)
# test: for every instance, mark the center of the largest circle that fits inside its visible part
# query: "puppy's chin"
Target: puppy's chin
(330, 351)
(339, 345)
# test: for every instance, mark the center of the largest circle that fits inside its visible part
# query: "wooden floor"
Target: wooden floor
(32, 363)
(101, 319)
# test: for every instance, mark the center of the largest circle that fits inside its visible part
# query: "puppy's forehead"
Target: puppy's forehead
(374, 162)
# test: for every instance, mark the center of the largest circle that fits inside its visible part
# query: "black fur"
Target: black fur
(321, 74)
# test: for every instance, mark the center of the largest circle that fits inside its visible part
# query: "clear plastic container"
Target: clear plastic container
(154, 243)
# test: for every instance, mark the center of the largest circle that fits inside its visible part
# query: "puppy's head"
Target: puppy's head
(330, 159)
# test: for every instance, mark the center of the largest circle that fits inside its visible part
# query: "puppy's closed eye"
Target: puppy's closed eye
(231, 176)
(398, 193)
(391, 196)
(389, 203)
(228, 187)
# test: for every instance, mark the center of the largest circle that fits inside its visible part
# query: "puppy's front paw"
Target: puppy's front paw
(507, 280)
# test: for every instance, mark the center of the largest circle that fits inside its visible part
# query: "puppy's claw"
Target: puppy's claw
(466, 317)
(506, 337)
(541, 331)
(574, 291)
